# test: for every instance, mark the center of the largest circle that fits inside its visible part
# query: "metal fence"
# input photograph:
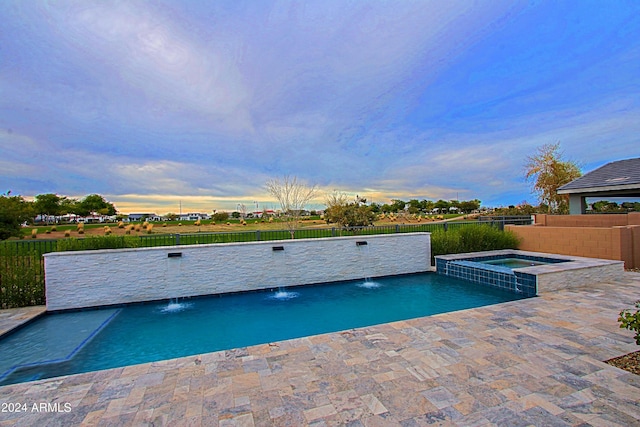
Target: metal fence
(22, 265)
(508, 219)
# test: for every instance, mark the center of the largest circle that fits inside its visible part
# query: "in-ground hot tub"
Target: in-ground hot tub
(528, 273)
(513, 262)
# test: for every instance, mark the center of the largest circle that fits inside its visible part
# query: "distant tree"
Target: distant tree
(235, 214)
(97, 203)
(347, 213)
(397, 205)
(386, 208)
(14, 211)
(549, 172)
(631, 206)
(335, 204)
(242, 208)
(414, 206)
(79, 209)
(220, 216)
(604, 206)
(427, 205)
(68, 205)
(48, 204)
(442, 205)
(525, 208)
(292, 195)
(468, 206)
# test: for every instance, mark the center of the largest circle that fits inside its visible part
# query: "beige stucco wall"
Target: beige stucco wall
(575, 237)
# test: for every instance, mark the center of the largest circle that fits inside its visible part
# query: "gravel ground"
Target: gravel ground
(629, 362)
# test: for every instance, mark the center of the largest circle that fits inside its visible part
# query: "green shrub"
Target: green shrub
(445, 242)
(631, 321)
(98, 242)
(471, 238)
(21, 277)
(220, 216)
(476, 238)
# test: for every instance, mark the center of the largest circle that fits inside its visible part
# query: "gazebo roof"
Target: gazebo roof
(616, 178)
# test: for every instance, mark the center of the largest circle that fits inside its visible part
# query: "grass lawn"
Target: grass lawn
(186, 227)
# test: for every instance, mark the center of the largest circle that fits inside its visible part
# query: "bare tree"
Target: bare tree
(293, 195)
(243, 210)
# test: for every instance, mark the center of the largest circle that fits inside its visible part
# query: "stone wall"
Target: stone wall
(118, 276)
(570, 278)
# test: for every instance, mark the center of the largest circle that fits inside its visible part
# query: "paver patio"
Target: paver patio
(529, 362)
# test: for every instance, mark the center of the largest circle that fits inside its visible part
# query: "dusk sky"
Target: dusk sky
(156, 103)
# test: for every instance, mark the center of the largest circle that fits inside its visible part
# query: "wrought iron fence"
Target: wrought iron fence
(22, 264)
(508, 219)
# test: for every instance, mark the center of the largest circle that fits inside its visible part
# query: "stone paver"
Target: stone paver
(524, 363)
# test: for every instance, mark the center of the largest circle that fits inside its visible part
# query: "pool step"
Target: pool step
(55, 341)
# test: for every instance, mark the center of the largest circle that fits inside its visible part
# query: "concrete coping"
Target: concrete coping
(572, 262)
(255, 243)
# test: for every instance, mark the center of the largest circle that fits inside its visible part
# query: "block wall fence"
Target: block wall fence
(606, 236)
(119, 276)
(588, 220)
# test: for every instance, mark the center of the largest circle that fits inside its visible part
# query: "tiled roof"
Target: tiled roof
(615, 174)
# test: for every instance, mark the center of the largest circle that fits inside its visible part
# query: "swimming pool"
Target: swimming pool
(82, 341)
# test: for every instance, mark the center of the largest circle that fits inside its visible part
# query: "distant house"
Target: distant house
(141, 216)
(92, 218)
(260, 214)
(193, 216)
(69, 217)
(615, 179)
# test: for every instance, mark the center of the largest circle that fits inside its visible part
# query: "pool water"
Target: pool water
(512, 262)
(75, 342)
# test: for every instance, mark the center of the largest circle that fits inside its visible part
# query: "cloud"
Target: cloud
(135, 55)
(387, 100)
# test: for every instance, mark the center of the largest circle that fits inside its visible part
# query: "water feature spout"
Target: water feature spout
(364, 261)
(283, 294)
(175, 306)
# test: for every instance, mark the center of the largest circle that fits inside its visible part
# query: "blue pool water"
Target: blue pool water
(74, 342)
(513, 262)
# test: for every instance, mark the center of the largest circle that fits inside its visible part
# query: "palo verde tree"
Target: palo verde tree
(549, 172)
(292, 195)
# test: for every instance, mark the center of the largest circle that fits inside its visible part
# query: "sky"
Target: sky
(195, 104)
